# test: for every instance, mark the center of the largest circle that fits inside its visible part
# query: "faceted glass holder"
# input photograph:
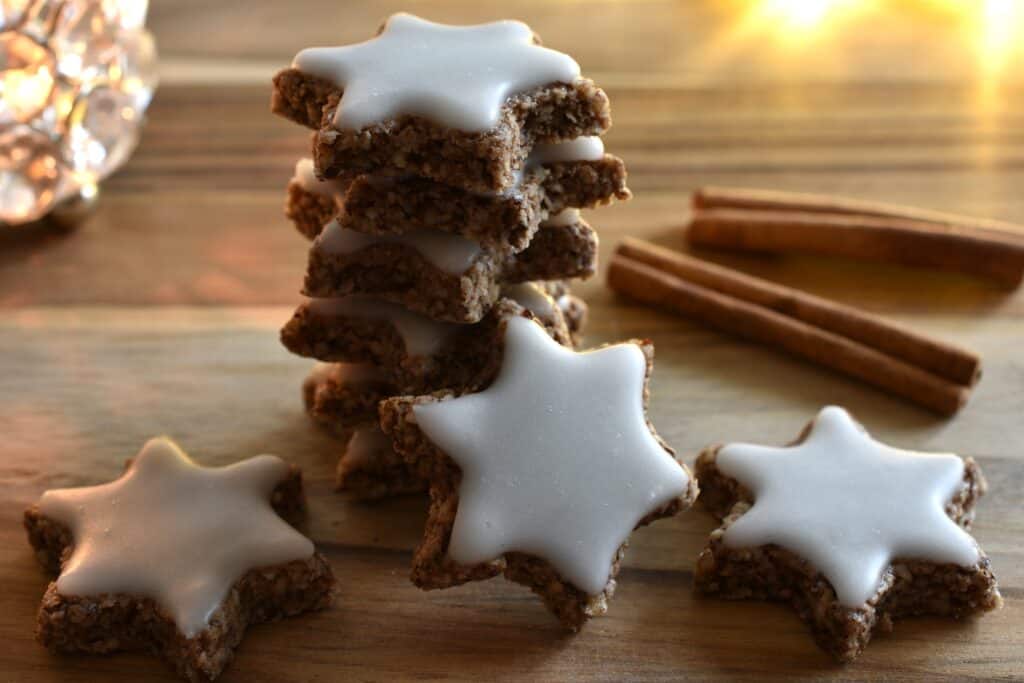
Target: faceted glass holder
(76, 78)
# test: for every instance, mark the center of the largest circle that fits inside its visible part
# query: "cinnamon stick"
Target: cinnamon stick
(782, 318)
(951, 362)
(803, 202)
(875, 238)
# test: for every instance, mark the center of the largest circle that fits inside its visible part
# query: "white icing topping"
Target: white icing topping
(305, 176)
(366, 445)
(848, 504)
(457, 76)
(173, 531)
(422, 336)
(532, 298)
(563, 218)
(585, 148)
(557, 458)
(447, 251)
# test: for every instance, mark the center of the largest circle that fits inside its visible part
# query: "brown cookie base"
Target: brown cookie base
(431, 566)
(340, 404)
(112, 622)
(909, 587)
(575, 312)
(402, 275)
(309, 211)
(467, 357)
(381, 474)
(496, 221)
(574, 309)
(481, 162)
(557, 252)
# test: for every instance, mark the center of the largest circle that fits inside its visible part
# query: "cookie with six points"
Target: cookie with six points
(543, 475)
(852, 532)
(460, 105)
(175, 559)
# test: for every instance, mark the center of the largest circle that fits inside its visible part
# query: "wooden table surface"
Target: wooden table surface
(160, 315)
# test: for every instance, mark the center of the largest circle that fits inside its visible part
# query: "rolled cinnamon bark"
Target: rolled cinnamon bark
(978, 252)
(804, 202)
(766, 325)
(951, 362)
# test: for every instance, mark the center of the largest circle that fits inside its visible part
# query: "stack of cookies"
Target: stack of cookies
(448, 168)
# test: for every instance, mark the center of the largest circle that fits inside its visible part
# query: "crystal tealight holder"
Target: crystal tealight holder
(76, 77)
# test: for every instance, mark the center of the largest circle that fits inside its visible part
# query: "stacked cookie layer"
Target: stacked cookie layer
(439, 202)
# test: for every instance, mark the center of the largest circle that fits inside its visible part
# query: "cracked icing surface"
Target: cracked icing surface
(457, 76)
(174, 531)
(848, 504)
(557, 457)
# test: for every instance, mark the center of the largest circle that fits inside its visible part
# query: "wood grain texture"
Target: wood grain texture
(161, 315)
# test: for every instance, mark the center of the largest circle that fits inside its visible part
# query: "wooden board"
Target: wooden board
(161, 316)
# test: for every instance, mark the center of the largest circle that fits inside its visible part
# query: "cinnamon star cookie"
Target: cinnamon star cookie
(175, 559)
(543, 475)
(851, 532)
(460, 105)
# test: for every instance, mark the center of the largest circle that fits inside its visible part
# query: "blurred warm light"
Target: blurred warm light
(1002, 30)
(798, 15)
(990, 33)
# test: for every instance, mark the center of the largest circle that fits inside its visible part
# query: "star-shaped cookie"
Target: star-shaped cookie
(544, 474)
(851, 531)
(175, 558)
(458, 76)
(459, 105)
